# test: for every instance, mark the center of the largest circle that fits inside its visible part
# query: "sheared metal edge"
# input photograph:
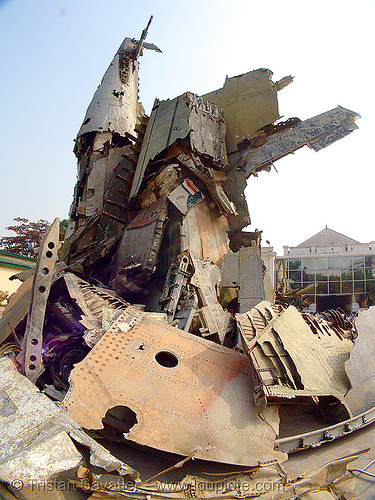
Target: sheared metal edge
(39, 296)
(312, 439)
(16, 310)
(168, 122)
(99, 456)
(316, 132)
(249, 102)
(34, 437)
(202, 403)
(187, 114)
(91, 300)
(251, 290)
(208, 129)
(19, 304)
(206, 277)
(204, 235)
(89, 320)
(360, 367)
(318, 359)
(114, 106)
(209, 176)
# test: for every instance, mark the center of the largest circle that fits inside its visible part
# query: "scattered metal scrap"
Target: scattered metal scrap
(296, 356)
(37, 436)
(154, 326)
(140, 362)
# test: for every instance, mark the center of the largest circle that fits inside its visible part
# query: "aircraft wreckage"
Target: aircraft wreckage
(151, 329)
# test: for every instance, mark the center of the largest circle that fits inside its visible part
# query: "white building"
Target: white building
(341, 269)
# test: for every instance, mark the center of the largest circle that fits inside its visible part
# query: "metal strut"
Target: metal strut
(313, 439)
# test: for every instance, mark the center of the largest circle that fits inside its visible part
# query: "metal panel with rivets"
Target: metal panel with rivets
(188, 394)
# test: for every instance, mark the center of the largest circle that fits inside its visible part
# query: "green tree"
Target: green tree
(27, 239)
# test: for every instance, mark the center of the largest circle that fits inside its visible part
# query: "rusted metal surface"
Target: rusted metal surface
(140, 363)
(139, 248)
(205, 233)
(161, 184)
(331, 481)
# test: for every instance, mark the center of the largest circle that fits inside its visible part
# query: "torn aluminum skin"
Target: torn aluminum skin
(188, 394)
(291, 359)
(35, 434)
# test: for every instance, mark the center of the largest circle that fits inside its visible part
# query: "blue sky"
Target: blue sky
(54, 53)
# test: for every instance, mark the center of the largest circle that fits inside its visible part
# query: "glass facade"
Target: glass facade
(330, 274)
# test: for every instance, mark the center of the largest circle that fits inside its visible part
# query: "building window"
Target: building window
(358, 261)
(359, 274)
(334, 287)
(295, 276)
(295, 264)
(347, 287)
(322, 289)
(370, 261)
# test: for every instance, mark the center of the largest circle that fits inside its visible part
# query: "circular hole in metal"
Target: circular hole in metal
(31, 367)
(42, 289)
(51, 244)
(167, 359)
(33, 358)
(49, 254)
(45, 270)
(34, 341)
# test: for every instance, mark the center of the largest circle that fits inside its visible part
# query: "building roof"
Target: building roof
(8, 259)
(325, 238)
